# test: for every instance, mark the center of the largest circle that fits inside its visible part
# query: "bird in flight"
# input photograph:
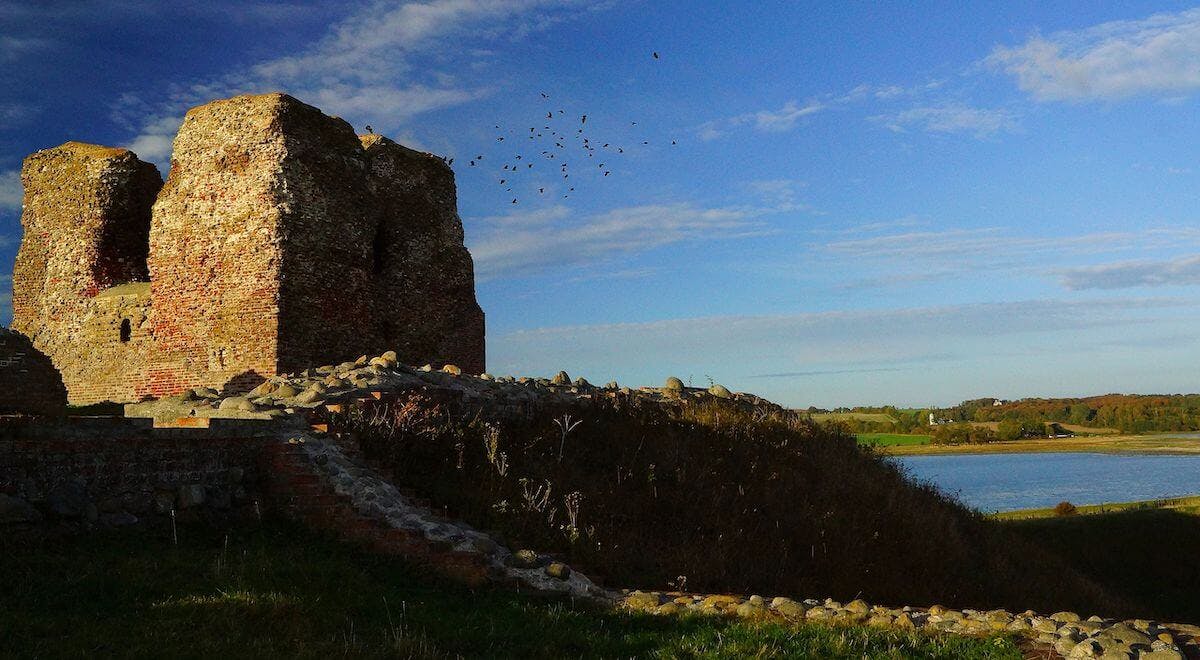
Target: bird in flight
(655, 55)
(370, 130)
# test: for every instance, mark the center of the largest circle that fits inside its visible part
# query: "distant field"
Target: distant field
(862, 417)
(892, 439)
(1161, 443)
(1075, 428)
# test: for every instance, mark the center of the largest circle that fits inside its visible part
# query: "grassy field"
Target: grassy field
(1116, 444)
(1189, 505)
(278, 591)
(862, 417)
(892, 439)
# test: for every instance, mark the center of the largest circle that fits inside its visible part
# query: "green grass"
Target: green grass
(892, 439)
(862, 417)
(1181, 504)
(277, 590)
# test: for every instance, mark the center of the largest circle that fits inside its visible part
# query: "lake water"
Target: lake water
(1004, 482)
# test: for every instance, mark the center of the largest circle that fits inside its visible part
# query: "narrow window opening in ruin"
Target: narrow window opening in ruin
(126, 330)
(379, 249)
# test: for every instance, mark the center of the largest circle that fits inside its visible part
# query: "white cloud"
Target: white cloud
(368, 67)
(1158, 55)
(10, 190)
(995, 243)
(951, 118)
(768, 121)
(153, 144)
(524, 244)
(1183, 271)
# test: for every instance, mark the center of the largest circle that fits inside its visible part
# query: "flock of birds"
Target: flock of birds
(556, 142)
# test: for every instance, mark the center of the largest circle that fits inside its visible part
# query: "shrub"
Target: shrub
(1065, 508)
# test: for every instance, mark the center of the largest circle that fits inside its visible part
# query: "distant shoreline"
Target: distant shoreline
(1183, 504)
(1160, 443)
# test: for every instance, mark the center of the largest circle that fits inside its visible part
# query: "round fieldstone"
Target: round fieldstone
(452, 369)
(641, 600)
(558, 570)
(673, 384)
(720, 391)
(857, 607)
(524, 559)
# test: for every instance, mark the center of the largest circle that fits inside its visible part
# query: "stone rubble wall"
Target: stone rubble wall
(115, 471)
(29, 383)
(1065, 633)
(370, 380)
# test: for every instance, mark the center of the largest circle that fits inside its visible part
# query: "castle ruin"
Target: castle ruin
(280, 240)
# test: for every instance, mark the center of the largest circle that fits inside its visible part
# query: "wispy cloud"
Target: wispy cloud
(13, 47)
(768, 121)
(997, 243)
(372, 67)
(846, 348)
(780, 194)
(1183, 271)
(1158, 55)
(951, 118)
(10, 190)
(827, 372)
(909, 258)
(13, 115)
(555, 238)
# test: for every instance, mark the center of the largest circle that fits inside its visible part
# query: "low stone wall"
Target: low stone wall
(115, 471)
(1065, 634)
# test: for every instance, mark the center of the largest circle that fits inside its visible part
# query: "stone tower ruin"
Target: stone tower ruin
(279, 241)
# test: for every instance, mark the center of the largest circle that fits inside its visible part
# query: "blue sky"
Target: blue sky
(865, 202)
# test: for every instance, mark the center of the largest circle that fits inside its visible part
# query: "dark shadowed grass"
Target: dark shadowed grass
(1146, 556)
(727, 498)
(279, 591)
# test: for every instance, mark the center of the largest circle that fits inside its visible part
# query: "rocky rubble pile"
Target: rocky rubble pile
(1067, 633)
(348, 382)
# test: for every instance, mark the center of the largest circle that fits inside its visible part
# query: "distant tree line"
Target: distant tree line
(1127, 413)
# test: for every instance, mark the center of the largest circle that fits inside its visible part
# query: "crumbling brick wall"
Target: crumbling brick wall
(86, 222)
(424, 305)
(278, 242)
